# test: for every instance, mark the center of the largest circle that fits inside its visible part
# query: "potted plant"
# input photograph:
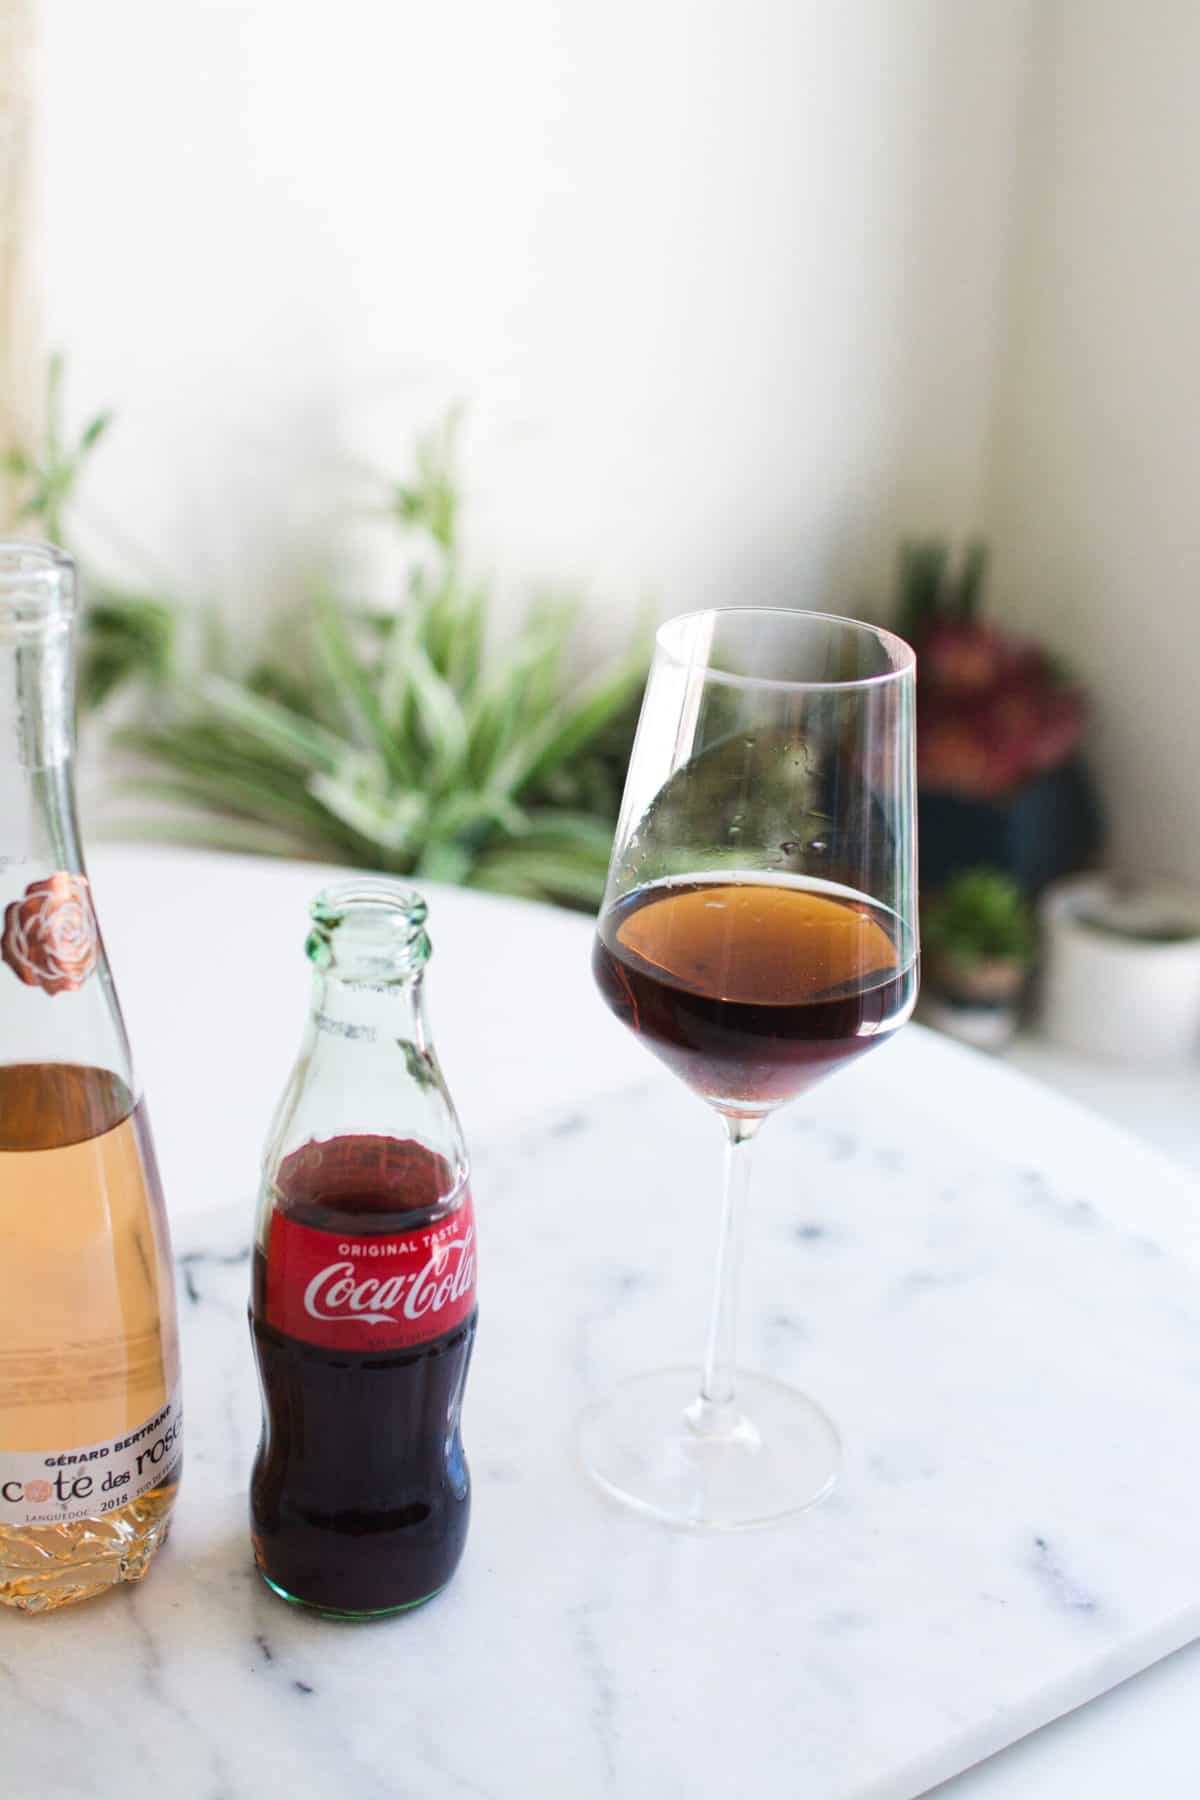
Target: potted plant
(1001, 779)
(979, 940)
(397, 736)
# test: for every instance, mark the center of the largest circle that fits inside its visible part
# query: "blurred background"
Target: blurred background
(389, 373)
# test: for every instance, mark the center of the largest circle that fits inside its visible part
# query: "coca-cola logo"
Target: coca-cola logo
(385, 1292)
(336, 1292)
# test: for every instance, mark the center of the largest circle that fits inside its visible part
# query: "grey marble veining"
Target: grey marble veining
(999, 1314)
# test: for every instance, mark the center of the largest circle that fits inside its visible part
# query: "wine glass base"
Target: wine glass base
(776, 1456)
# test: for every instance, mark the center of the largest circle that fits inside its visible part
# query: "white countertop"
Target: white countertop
(1155, 1102)
(208, 956)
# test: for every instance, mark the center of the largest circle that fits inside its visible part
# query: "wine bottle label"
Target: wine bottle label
(371, 1293)
(53, 1487)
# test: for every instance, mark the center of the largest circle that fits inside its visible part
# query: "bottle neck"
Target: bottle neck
(37, 693)
(352, 1010)
(367, 1068)
(37, 800)
(57, 1003)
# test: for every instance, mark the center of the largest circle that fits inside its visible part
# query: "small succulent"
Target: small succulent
(980, 915)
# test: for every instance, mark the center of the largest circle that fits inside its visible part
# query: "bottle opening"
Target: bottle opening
(37, 585)
(369, 929)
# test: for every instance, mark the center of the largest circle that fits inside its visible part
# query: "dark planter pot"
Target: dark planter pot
(1051, 827)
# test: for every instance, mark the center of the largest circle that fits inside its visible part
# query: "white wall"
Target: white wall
(720, 282)
(18, 24)
(1095, 504)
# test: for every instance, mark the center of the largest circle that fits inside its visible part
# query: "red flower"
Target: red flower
(992, 712)
(964, 657)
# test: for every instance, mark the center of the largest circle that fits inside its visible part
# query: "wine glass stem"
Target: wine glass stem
(714, 1413)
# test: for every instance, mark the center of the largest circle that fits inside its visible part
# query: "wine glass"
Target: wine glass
(758, 932)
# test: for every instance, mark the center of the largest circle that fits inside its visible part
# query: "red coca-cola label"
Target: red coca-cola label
(371, 1293)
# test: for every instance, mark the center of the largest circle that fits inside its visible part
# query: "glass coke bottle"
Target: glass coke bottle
(362, 1302)
(90, 1422)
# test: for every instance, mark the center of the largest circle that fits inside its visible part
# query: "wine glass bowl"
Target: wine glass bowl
(758, 932)
(751, 989)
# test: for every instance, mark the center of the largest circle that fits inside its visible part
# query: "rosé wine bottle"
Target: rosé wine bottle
(90, 1421)
(362, 1303)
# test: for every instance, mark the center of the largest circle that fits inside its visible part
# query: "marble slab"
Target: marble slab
(996, 1298)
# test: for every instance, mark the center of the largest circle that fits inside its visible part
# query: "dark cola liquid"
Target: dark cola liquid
(360, 1496)
(752, 990)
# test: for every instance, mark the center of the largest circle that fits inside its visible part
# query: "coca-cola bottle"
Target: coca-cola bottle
(362, 1301)
(90, 1433)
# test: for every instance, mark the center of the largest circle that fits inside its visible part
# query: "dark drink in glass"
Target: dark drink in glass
(360, 1498)
(752, 988)
(758, 932)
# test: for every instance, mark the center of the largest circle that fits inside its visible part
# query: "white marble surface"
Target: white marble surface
(1158, 1102)
(1000, 1310)
(208, 956)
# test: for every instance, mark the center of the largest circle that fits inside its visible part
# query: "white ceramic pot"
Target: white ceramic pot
(1110, 989)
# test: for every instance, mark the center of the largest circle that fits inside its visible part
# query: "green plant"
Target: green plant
(128, 637)
(396, 739)
(931, 590)
(980, 915)
(51, 472)
(379, 756)
(392, 738)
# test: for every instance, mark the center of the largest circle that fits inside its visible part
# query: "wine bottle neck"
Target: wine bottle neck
(36, 696)
(58, 1001)
(37, 796)
(37, 737)
(37, 609)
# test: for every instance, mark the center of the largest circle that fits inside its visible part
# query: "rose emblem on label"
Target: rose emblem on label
(49, 938)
